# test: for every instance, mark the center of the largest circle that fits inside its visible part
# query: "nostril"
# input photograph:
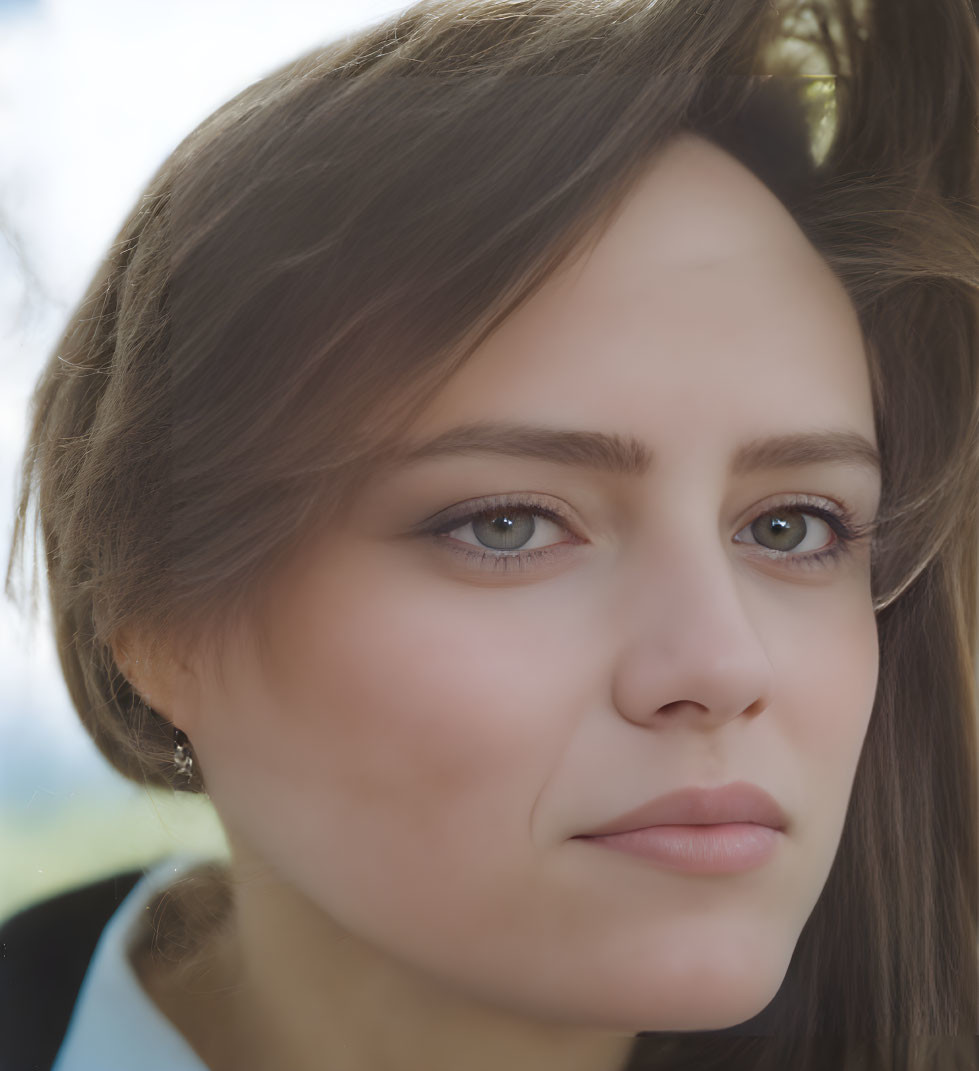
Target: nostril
(678, 705)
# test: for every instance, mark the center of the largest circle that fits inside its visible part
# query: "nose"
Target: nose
(690, 654)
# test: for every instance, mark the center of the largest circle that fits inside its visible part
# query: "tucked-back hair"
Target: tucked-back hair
(313, 262)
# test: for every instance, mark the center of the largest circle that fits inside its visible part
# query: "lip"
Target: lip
(737, 802)
(730, 848)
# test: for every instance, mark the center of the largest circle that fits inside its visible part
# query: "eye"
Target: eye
(506, 534)
(803, 533)
(789, 529)
(511, 529)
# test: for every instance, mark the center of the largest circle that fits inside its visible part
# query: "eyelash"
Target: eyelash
(848, 533)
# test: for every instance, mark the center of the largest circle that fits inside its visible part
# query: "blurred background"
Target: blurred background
(94, 94)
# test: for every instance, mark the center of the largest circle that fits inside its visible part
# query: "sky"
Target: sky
(94, 94)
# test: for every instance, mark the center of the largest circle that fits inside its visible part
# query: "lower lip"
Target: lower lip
(718, 849)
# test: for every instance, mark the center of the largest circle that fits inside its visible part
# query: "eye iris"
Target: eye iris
(501, 527)
(787, 530)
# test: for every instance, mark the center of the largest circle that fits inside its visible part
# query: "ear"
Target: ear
(165, 679)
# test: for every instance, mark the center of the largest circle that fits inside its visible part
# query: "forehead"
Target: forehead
(702, 306)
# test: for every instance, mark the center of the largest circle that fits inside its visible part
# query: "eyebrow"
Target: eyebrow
(629, 456)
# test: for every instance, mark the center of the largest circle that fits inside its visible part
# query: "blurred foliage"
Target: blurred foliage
(820, 99)
(93, 836)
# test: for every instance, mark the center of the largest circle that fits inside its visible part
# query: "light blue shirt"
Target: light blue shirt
(115, 1026)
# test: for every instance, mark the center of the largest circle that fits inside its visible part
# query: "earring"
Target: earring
(183, 760)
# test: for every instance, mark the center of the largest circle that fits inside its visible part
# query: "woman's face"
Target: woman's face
(447, 703)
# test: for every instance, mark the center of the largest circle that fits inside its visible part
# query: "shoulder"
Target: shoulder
(45, 950)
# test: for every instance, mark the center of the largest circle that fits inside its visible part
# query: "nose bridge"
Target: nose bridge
(691, 643)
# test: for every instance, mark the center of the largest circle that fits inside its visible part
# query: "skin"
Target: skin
(402, 775)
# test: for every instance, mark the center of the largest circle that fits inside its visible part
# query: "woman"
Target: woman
(493, 433)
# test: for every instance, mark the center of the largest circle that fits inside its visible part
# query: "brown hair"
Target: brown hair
(315, 260)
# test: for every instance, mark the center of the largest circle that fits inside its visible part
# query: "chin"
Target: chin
(719, 1002)
(738, 1005)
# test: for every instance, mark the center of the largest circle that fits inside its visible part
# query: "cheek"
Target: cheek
(403, 725)
(394, 753)
(841, 670)
(831, 661)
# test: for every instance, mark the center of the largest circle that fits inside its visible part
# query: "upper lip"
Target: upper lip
(736, 802)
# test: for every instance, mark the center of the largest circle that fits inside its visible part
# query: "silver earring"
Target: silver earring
(183, 760)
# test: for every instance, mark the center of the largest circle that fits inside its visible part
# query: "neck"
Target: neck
(281, 986)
